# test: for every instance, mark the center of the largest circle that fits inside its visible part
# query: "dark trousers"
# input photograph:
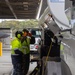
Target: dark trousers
(20, 64)
(26, 61)
(17, 64)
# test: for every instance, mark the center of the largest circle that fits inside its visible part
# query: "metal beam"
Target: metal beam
(39, 9)
(19, 17)
(10, 7)
(24, 3)
(17, 11)
(25, 13)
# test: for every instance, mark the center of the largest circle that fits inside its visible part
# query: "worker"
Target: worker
(26, 50)
(16, 54)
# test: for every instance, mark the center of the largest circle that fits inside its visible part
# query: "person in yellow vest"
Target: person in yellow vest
(16, 54)
(26, 50)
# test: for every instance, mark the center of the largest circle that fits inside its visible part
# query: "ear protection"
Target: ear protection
(18, 35)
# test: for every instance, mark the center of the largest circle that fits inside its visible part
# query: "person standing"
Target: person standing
(16, 54)
(26, 50)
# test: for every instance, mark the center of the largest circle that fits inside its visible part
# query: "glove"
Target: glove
(29, 34)
(18, 52)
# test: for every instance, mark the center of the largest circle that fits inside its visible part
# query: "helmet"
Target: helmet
(18, 34)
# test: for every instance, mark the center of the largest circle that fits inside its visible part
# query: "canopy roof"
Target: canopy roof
(19, 9)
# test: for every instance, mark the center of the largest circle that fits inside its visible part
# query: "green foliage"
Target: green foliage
(19, 25)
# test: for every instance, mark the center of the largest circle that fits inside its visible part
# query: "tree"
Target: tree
(19, 25)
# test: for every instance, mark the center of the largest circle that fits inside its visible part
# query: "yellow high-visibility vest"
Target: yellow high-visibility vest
(16, 44)
(26, 46)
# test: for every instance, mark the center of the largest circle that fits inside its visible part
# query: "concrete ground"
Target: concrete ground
(6, 65)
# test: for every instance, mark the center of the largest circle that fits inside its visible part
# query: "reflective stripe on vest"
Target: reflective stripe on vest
(25, 46)
(61, 49)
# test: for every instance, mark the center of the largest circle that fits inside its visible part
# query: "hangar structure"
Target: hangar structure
(19, 9)
(24, 9)
(33, 9)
